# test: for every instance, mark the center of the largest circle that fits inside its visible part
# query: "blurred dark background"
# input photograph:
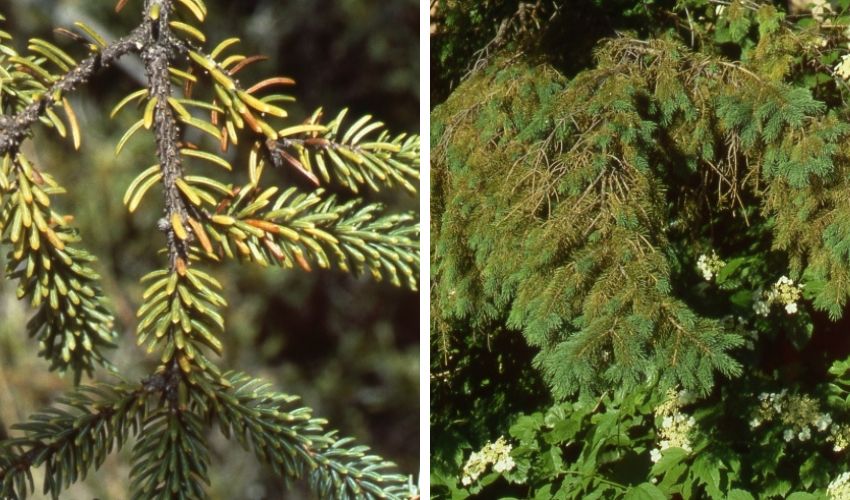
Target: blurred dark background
(347, 345)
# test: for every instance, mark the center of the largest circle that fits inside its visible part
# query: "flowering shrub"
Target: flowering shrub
(839, 489)
(799, 414)
(784, 293)
(498, 454)
(675, 428)
(709, 266)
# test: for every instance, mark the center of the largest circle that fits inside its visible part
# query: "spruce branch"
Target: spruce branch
(180, 316)
(72, 324)
(353, 156)
(15, 128)
(350, 472)
(70, 439)
(171, 458)
(303, 228)
(591, 165)
(587, 193)
(296, 444)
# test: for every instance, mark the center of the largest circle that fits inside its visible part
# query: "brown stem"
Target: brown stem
(159, 46)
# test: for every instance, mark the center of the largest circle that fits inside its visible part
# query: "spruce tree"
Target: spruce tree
(665, 229)
(190, 85)
(561, 225)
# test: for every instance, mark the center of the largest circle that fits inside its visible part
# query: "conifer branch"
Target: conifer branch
(296, 444)
(593, 186)
(171, 458)
(301, 229)
(349, 472)
(180, 316)
(15, 128)
(72, 324)
(351, 156)
(584, 186)
(70, 439)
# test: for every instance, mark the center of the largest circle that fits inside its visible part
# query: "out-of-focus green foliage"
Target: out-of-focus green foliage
(348, 345)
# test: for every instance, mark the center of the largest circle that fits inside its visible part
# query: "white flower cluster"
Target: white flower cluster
(842, 69)
(498, 454)
(784, 292)
(709, 266)
(800, 415)
(840, 437)
(761, 306)
(839, 488)
(675, 426)
(815, 42)
(820, 9)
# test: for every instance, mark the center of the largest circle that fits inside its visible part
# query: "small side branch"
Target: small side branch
(95, 418)
(296, 444)
(14, 128)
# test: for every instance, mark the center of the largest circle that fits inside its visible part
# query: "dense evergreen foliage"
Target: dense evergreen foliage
(189, 93)
(666, 229)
